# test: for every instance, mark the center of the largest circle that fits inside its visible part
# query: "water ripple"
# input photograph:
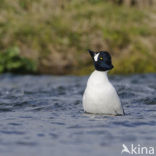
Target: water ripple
(45, 113)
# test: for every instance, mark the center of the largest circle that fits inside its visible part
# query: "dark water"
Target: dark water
(43, 116)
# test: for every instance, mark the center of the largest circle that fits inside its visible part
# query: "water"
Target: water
(43, 116)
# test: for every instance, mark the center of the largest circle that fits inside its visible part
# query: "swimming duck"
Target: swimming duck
(100, 97)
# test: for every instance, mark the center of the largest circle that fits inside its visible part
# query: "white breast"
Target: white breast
(100, 97)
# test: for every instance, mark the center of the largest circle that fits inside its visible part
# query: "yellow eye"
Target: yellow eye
(101, 58)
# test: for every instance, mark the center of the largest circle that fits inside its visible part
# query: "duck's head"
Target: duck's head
(102, 60)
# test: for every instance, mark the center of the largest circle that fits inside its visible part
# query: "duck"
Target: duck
(100, 96)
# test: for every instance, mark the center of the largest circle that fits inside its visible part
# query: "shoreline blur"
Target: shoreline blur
(52, 37)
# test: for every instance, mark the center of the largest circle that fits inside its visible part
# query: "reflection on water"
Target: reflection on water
(43, 115)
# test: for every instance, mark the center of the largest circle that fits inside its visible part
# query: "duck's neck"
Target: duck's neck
(101, 75)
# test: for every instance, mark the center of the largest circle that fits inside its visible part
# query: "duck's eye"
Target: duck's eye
(101, 58)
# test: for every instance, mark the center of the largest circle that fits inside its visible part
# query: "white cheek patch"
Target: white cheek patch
(96, 57)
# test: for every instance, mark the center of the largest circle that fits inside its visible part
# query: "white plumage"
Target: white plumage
(96, 57)
(100, 97)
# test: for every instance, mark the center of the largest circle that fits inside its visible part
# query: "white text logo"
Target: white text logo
(137, 149)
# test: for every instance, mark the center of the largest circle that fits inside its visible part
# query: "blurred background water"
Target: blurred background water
(43, 115)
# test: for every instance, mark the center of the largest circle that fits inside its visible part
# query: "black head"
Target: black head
(102, 60)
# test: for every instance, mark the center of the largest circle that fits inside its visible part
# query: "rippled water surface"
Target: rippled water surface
(43, 116)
